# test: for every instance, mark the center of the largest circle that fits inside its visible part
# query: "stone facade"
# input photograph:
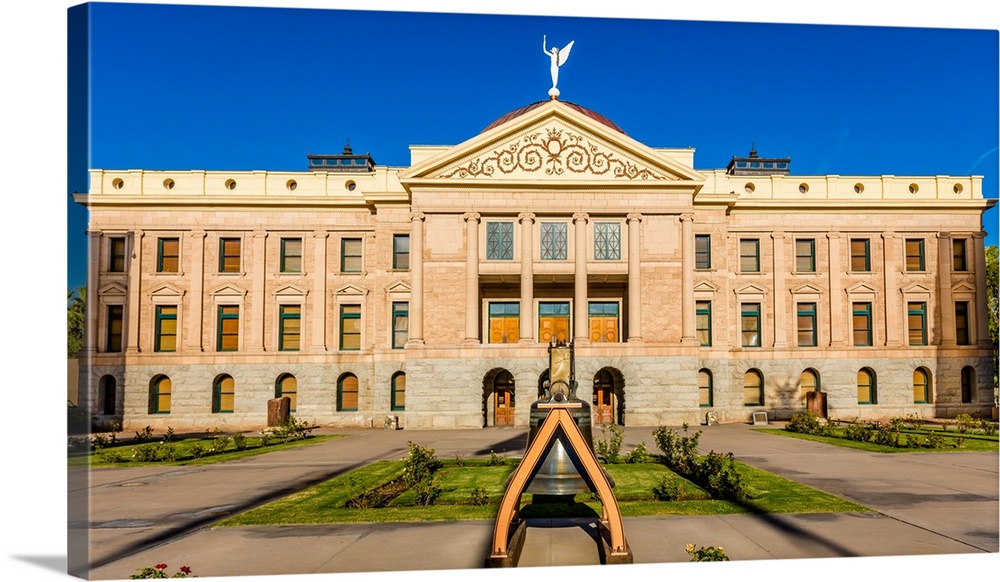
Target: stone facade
(429, 293)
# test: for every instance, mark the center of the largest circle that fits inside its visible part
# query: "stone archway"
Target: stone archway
(609, 396)
(498, 398)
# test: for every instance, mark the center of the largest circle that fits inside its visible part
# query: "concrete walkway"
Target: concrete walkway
(926, 503)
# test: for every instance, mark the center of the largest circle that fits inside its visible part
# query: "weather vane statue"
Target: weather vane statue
(558, 57)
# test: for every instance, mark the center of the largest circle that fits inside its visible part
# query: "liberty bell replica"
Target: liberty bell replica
(558, 476)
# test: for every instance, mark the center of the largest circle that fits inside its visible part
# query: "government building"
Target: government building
(430, 293)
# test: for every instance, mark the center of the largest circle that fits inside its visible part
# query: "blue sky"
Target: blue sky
(199, 87)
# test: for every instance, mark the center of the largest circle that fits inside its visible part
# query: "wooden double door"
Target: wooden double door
(503, 399)
(604, 398)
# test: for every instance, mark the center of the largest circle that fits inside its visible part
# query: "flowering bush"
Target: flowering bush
(709, 554)
(160, 571)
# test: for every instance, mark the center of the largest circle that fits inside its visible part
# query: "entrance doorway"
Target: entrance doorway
(503, 399)
(604, 397)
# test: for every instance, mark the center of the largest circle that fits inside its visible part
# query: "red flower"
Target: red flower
(161, 566)
(185, 569)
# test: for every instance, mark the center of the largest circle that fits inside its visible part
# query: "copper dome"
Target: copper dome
(522, 110)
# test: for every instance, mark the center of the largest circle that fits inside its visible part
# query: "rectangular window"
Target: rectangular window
(702, 251)
(914, 254)
(229, 328)
(749, 255)
(166, 329)
(962, 323)
(553, 241)
(350, 327)
(703, 322)
(401, 252)
(553, 322)
(291, 255)
(350, 255)
(500, 241)
(861, 322)
(116, 262)
(400, 324)
(168, 255)
(916, 323)
(750, 324)
(607, 241)
(289, 327)
(115, 319)
(229, 255)
(860, 256)
(504, 326)
(805, 255)
(806, 324)
(603, 320)
(958, 255)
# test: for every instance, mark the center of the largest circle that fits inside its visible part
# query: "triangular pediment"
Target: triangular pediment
(751, 290)
(398, 287)
(705, 287)
(917, 288)
(289, 290)
(112, 289)
(166, 290)
(807, 289)
(552, 144)
(861, 288)
(963, 287)
(229, 291)
(351, 290)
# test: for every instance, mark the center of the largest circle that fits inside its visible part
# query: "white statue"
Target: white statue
(558, 59)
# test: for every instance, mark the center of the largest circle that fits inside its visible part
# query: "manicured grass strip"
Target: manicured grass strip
(969, 444)
(184, 458)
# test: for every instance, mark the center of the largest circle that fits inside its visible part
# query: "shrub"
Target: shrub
(219, 444)
(638, 454)
(420, 464)
(168, 437)
(680, 453)
(479, 496)
(146, 453)
(427, 491)
(667, 490)
(197, 451)
(718, 474)
(988, 428)
(934, 440)
(240, 442)
(709, 554)
(805, 423)
(99, 441)
(168, 452)
(160, 571)
(965, 423)
(143, 436)
(113, 456)
(609, 446)
(494, 460)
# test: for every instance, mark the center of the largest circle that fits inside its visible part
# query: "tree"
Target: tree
(992, 300)
(76, 317)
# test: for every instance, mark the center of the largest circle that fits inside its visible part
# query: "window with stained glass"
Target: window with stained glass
(500, 241)
(607, 241)
(554, 241)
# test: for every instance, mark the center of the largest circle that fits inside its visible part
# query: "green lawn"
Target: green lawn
(970, 442)
(326, 502)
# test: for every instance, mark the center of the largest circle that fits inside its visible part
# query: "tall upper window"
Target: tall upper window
(115, 319)
(288, 386)
(607, 241)
(603, 320)
(703, 322)
(159, 395)
(223, 394)
(921, 386)
(401, 252)
(400, 324)
(916, 322)
(962, 323)
(749, 255)
(753, 388)
(867, 393)
(166, 329)
(291, 255)
(553, 321)
(350, 255)
(958, 262)
(289, 327)
(704, 388)
(116, 258)
(750, 325)
(805, 255)
(500, 241)
(347, 393)
(861, 322)
(229, 328)
(229, 255)
(702, 251)
(860, 255)
(914, 254)
(168, 255)
(806, 324)
(554, 241)
(350, 327)
(504, 322)
(398, 391)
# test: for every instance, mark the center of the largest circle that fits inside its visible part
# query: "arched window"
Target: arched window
(347, 393)
(867, 390)
(704, 387)
(921, 386)
(398, 391)
(287, 385)
(808, 382)
(223, 393)
(753, 388)
(108, 392)
(159, 395)
(968, 383)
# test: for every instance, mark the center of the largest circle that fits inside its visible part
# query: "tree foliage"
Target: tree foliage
(992, 300)
(76, 316)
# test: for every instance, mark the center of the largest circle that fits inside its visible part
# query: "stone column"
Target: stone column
(891, 267)
(92, 302)
(982, 309)
(837, 327)
(689, 336)
(416, 337)
(778, 282)
(134, 258)
(527, 319)
(195, 339)
(319, 314)
(634, 280)
(581, 326)
(471, 277)
(257, 299)
(945, 306)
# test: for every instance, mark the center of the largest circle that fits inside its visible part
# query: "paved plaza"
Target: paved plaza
(924, 504)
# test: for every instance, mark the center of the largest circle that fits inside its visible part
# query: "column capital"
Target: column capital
(778, 235)
(578, 216)
(259, 234)
(320, 234)
(633, 216)
(530, 216)
(834, 235)
(197, 234)
(687, 217)
(979, 235)
(415, 216)
(471, 216)
(889, 235)
(93, 233)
